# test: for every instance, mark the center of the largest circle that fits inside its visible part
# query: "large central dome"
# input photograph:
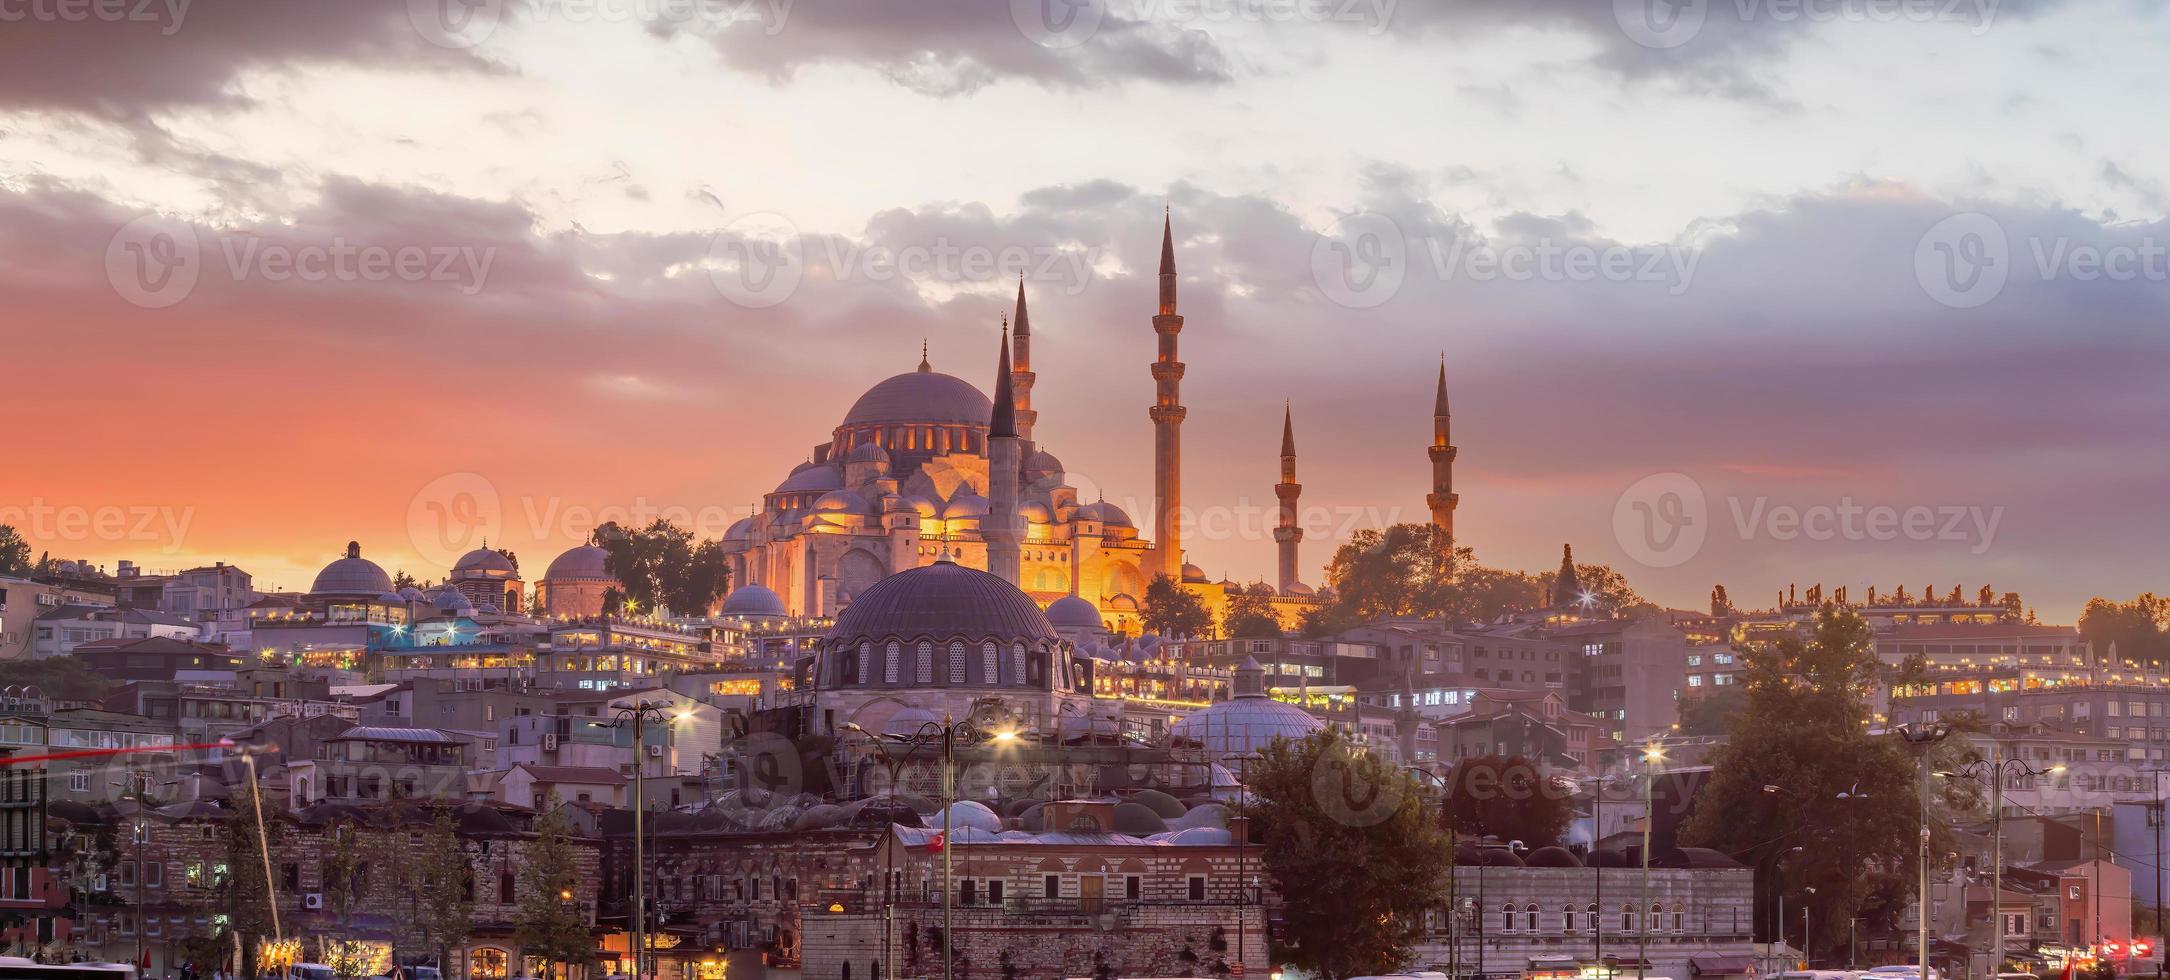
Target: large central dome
(940, 600)
(923, 396)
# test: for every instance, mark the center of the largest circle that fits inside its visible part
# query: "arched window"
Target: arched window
(866, 661)
(956, 662)
(989, 664)
(1017, 663)
(1627, 918)
(1529, 913)
(923, 671)
(1597, 924)
(1657, 913)
(1680, 918)
(1567, 916)
(1506, 917)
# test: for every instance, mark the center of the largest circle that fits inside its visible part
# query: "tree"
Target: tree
(1249, 616)
(661, 566)
(1169, 609)
(1711, 713)
(1509, 798)
(1607, 588)
(401, 580)
(239, 890)
(1351, 851)
(14, 553)
(1400, 570)
(549, 925)
(1802, 730)
(60, 678)
(1720, 603)
(345, 873)
(444, 885)
(2140, 628)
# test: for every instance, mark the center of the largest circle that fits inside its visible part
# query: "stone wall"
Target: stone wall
(999, 944)
(1705, 912)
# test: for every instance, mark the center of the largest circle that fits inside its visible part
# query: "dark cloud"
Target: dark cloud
(954, 47)
(161, 53)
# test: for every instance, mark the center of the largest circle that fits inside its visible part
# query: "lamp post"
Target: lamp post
(1454, 912)
(1998, 771)
(947, 733)
(1652, 755)
(1922, 738)
(638, 715)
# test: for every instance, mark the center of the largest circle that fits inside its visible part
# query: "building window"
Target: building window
(889, 662)
(1506, 917)
(956, 662)
(989, 666)
(1680, 919)
(866, 661)
(1051, 886)
(79, 782)
(967, 892)
(1529, 914)
(1627, 918)
(1197, 888)
(994, 892)
(1567, 917)
(923, 670)
(1133, 887)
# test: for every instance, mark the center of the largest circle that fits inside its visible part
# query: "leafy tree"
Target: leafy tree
(2140, 628)
(1720, 603)
(1608, 587)
(402, 580)
(1169, 609)
(1711, 713)
(344, 872)
(63, 678)
(241, 893)
(1509, 798)
(14, 553)
(1400, 570)
(548, 924)
(1249, 615)
(444, 887)
(512, 557)
(661, 565)
(1349, 846)
(1802, 731)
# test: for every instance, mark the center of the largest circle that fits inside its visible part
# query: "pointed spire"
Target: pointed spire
(1003, 424)
(1288, 430)
(1167, 243)
(1024, 323)
(924, 367)
(1439, 402)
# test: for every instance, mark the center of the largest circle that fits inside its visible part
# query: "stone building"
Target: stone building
(1556, 916)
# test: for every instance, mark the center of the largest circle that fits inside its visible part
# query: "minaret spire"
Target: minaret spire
(1442, 500)
(1289, 533)
(1021, 375)
(1167, 415)
(924, 367)
(1000, 530)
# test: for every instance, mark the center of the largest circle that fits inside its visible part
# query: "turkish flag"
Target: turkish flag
(936, 843)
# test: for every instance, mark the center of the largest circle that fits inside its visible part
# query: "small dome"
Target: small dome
(392, 599)
(841, 502)
(484, 560)
(926, 508)
(1161, 803)
(1105, 513)
(1192, 573)
(1554, 857)
(811, 477)
(740, 530)
(1072, 612)
(969, 814)
(1298, 588)
(754, 602)
(1138, 819)
(584, 562)
(867, 452)
(454, 601)
(1036, 513)
(1040, 466)
(352, 575)
(965, 504)
(412, 594)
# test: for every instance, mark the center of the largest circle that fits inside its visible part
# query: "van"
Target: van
(311, 971)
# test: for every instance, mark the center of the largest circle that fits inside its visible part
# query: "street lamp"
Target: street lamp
(639, 715)
(1998, 772)
(947, 733)
(1922, 738)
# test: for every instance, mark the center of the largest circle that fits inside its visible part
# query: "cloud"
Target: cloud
(955, 47)
(157, 54)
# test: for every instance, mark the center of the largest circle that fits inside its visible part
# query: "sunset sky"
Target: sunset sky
(567, 178)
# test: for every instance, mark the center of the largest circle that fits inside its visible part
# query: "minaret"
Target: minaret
(1021, 368)
(1001, 527)
(1167, 414)
(1442, 499)
(1288, 534)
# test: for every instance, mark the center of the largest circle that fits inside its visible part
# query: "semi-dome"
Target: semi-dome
(811, 478)
(352, 575)
(965, 504)
(921, 396)
(484, 560)
(754, 602)
(1105, 513)
(1036, 512)
(740, 530)
(1072, 612)
(925, 508)
(867, 452)
(1248, 722)
(942, 599)
(841, 502)
(584, 562)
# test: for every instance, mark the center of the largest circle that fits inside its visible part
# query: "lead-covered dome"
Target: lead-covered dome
(921, 396)
(1248, 722)
(940, 600)
(1072, 612)
(484, 561)
(584, 562)
(754, 602)
(352, 575)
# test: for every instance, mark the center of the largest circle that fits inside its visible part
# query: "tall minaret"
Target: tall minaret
(1288, 534)
(1167, 414)
(1001, 527)
(1442, 499)
(1021, 368)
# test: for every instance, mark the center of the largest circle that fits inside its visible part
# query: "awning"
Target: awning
(1717, 965)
